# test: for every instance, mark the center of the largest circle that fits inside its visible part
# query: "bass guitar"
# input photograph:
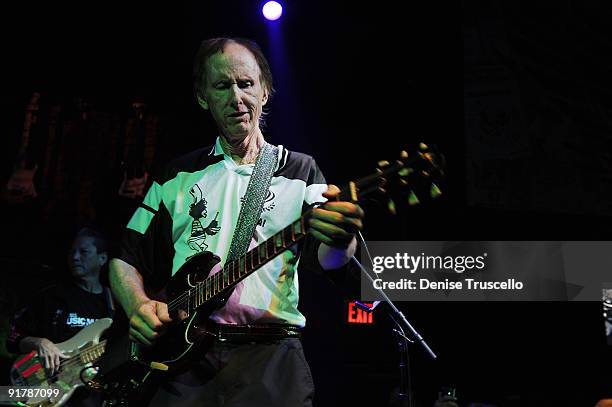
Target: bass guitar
(128, 371)
(84, 349)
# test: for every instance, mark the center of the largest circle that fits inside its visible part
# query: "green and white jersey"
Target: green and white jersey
(194, 207)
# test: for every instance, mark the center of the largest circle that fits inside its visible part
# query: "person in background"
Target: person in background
(60, 311)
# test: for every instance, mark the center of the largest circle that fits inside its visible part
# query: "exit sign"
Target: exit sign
(356, 315)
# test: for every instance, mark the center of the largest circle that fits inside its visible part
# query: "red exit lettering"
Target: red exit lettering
(358, 316)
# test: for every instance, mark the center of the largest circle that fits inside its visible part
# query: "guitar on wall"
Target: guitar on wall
(84, 349)
(20, 187)
(138, 151)
(129, 372)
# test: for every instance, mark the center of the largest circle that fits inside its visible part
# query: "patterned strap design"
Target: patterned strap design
(253, 201)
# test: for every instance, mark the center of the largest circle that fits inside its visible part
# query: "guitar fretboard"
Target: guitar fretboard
(93, 352)
(237, 270)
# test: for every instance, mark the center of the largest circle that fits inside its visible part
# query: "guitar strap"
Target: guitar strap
(253, 201)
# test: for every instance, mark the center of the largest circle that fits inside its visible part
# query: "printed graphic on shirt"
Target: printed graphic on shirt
(269, 199)
(197, 210)
(78, 322)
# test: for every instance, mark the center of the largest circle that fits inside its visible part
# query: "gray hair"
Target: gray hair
(212, 46)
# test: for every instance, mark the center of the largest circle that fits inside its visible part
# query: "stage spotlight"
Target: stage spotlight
(272, 10)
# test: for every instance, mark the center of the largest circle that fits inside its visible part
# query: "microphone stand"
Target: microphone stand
(404, 396)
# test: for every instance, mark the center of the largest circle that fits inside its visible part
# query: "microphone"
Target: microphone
(365, 307)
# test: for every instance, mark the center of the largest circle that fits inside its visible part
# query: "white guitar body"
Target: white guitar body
(84, 348)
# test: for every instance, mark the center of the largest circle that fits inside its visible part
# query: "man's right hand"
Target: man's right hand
(50, 353)
(148, 322)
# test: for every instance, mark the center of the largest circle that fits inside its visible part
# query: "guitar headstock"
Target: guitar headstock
(32, 105)
(415, 175)
(31, 111)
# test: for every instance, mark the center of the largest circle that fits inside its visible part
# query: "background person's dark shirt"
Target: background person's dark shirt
(57, 313)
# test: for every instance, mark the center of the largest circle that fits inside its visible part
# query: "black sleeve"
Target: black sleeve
(147, 240)
(346, 278)
(309, 258)
(315, 182)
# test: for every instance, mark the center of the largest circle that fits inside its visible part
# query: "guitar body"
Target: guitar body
(178, 343)
(129, 372)
(28, 369)
(20, 188)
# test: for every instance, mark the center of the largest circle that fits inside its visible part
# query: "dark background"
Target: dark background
(528, 158)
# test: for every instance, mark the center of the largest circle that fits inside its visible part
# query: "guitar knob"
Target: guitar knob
(404, 172)
(413, 199)
(391, 207)
(434, 191)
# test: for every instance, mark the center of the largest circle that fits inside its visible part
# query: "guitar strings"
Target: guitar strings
(77, 358)
(70, 361)
(181, 299)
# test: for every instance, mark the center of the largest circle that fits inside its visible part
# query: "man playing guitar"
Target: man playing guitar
(193, 207)
(60, 312)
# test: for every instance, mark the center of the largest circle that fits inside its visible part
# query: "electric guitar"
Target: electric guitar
(20, 187)
(138, 151)
(128, 371)
(84, 349)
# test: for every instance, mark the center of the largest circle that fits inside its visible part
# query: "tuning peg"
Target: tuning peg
(383, 163)
(403, 154)
(434, 191)
(391, 207)
(413, 199)
(404, 172)
(423, 147)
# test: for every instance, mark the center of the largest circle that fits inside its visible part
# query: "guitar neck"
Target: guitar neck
(29, 119)
(92, 353)
(233, 272)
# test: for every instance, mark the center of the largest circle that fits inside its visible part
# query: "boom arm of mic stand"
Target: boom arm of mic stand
(399, 318)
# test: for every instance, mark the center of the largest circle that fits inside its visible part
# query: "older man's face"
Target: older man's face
(233, 91)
